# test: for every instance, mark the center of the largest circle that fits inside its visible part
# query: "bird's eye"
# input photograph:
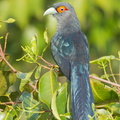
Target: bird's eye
(61, 9)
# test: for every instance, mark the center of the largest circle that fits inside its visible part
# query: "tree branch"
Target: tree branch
(2, 56)
(105, 81)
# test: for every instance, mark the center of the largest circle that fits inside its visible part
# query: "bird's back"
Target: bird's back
(72, 55)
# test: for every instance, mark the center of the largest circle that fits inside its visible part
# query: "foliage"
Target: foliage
(99, 21)
(40, 96)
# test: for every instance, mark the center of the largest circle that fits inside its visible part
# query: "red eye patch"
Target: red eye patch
(61, 9)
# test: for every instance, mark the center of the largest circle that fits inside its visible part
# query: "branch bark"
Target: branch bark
(2, 56)
(102, 80)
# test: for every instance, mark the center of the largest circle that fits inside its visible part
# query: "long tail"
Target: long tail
(81, 94)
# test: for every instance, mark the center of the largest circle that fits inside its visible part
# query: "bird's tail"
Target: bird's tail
(81, 93)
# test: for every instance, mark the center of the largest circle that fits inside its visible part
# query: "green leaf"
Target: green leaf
(37, 72)
(29, 57)
(117, 118)
(21, 75)
(54, 107)
(119, 53)
(67, 115)
(30, 105)
(103, 93)
(44, 115)
(46, 41)
(114, 107)
(59, 102)
(103, 114)
(1, 37)
(34, 45)
(10, 20)
(46, 36)
(47, 85)
(6, 116)
(3, 65)
(25, 78)
(103, 59)
(7, 78)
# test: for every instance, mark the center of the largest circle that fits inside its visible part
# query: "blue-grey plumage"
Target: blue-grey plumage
(82, 98)
(70, 51)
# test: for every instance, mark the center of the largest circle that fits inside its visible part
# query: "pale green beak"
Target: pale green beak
(50, 11)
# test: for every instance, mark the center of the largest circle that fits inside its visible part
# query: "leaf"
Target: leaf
(44, 115)
(30, 105)
(25, 77)
(21, 75)
(59, 102)
(2, 115)
(119, 53)
(103, 93)
(114, 107)
(54, 107)
(103, 114)
(37, 72)
(46, 41)
(67, 115)
(3, 65)
(103, 59)
(117, 118)
(34, 45)
(29, 57)
(10, 20)
(7, 78)
(47, 85)
(1, 37)
(6, 116)
(46, 36)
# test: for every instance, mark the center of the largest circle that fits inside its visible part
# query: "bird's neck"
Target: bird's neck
(68, 26)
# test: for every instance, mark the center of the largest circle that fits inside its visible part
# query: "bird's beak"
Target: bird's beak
(50, 11)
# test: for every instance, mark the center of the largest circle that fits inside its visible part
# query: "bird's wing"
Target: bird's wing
(66, 48)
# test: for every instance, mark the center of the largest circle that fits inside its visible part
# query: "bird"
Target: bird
(70, 50)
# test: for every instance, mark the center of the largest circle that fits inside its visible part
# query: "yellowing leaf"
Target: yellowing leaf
(45, 36)
(34, 45)
(103, 93)
(10, 20)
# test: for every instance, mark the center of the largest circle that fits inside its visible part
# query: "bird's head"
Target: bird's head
(66, 17)
(61, 11)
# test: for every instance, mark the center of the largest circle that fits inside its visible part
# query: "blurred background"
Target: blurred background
(100, 21)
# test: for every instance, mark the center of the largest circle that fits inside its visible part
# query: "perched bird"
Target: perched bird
(70, 51)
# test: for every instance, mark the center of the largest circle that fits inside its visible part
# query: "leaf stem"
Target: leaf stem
(105, 71)
(112, 72)
(49, 64)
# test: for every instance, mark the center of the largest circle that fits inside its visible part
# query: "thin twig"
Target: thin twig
(46, 110)
(5, 44)
(112, 72)
(45, 67)
(105, 81)
(49, 64)
(2, 56)
(32, 86)
(6, 103)
(100, 106)
(105, 72)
